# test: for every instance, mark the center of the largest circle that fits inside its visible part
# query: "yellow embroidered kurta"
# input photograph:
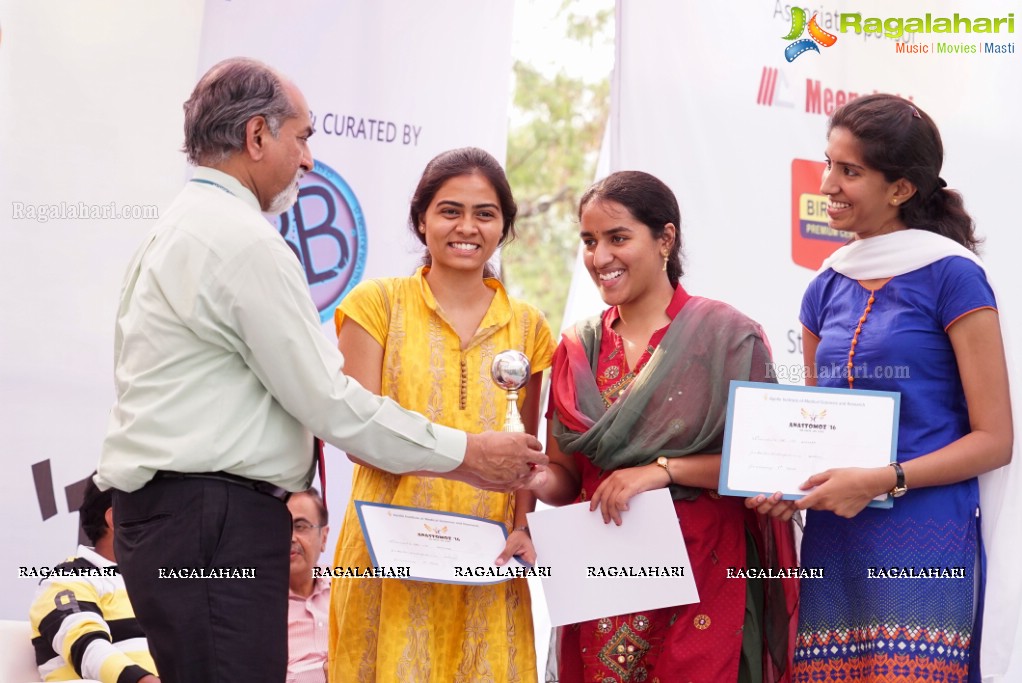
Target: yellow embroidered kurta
(397, 630)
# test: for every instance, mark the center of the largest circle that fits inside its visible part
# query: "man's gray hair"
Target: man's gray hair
(223, 102)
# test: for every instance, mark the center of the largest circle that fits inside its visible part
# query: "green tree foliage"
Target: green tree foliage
(557, 125)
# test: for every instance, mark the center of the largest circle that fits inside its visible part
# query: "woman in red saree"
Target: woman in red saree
(638, 401)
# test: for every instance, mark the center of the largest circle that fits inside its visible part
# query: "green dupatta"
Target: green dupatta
(677, 403)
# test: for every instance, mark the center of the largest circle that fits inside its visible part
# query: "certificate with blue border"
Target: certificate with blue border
(435, 546)
(777, 436)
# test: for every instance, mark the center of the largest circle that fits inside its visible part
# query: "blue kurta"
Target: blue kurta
(857, 623)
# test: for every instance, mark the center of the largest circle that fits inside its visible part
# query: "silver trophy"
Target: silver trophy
(510, 371)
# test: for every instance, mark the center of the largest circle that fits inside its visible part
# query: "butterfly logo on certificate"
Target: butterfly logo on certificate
(813, 417)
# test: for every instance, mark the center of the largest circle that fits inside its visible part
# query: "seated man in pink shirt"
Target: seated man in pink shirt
(308, 607)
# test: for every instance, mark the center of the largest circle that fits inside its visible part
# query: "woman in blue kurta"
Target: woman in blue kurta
(905, 307)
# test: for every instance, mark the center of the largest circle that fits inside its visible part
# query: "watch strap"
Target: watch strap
(663, 462)
(899, 483)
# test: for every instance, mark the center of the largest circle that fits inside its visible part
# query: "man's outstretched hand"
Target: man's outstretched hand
(501, 461)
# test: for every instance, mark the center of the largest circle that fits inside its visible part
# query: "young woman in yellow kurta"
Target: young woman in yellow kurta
(428, 341)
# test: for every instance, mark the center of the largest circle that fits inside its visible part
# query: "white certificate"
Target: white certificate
(777, 436)
(602, 570)
(442, 547)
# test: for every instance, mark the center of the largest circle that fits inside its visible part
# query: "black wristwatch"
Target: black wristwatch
(899, 485)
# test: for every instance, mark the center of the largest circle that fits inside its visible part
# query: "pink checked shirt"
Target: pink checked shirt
(307, 627)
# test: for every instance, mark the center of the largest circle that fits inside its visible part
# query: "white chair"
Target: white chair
(17, 656)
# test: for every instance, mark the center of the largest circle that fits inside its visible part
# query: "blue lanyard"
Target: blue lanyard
(210, 182)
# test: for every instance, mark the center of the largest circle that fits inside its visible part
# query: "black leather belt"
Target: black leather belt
(260, 486)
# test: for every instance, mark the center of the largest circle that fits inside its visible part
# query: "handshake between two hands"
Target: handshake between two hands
(502, 461)
(507, 461)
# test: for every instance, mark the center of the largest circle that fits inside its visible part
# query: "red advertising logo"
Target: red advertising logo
(767, 86)
(812, 238)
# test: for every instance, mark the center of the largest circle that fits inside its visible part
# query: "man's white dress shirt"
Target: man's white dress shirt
(221, 363)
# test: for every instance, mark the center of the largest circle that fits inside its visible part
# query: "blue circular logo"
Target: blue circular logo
(326, 229)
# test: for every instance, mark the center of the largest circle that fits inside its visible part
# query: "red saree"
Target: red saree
(673, 403)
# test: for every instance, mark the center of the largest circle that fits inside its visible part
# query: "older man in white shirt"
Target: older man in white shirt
(223, 376)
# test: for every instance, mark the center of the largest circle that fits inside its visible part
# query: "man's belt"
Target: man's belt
(260, 486)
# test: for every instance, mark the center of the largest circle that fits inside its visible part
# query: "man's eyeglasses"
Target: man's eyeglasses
(303, 527)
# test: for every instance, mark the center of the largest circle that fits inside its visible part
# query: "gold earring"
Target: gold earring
(665, 263)
(894, 202)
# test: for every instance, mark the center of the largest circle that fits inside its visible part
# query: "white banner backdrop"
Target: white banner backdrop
(90, 126)
(92, 118)
(706, 101)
